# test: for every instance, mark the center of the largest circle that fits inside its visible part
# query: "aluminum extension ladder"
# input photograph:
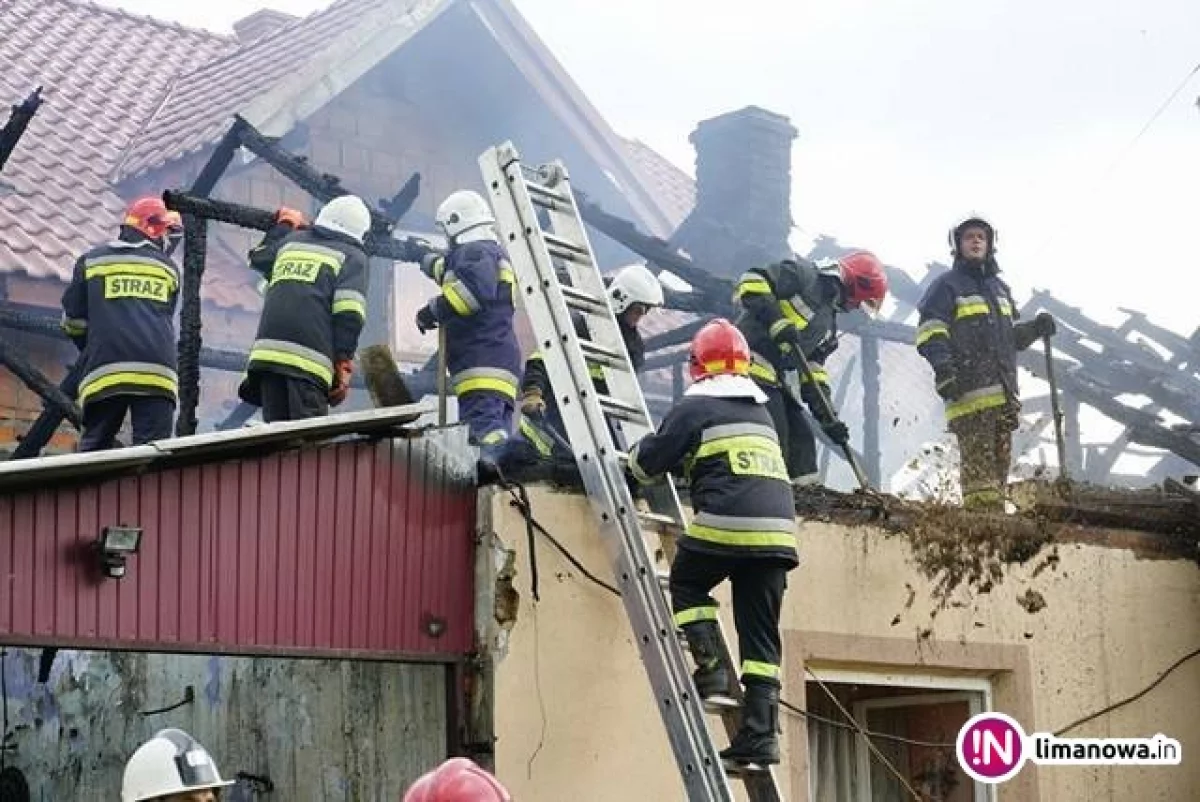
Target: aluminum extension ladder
(520, 196)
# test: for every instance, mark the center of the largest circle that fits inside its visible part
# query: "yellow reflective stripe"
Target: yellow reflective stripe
(818, 375)
(596, 371)
(969, 406)
(723, 445)
(791, 313)
(124, 269)
(1005, 307)
(543, 446)
(764, 372)
(507, 276)
(327, 257)
(456, 300)
(753, 668)
(485, 383)
(695, 614)
(292, 360)
(350, 305)
(970, 310)
(636, 469)
(930, 329)
(74, 325)
(739, 537)
(494, 436)
(752, 286)
(779, 327)
(740, 366)
(127, 377)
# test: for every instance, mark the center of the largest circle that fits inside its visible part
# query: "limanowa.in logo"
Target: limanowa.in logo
(992, 748)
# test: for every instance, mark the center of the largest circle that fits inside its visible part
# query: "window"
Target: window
(925, 711)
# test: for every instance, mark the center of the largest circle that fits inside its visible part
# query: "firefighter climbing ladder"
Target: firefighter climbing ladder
(539, 225)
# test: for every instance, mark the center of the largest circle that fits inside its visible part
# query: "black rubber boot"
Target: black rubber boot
(711, 678)
(756, 745)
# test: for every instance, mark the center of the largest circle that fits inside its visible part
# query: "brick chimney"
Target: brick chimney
(261, 23)
(743, 191)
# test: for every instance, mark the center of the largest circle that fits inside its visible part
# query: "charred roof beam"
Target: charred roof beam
(18, 121)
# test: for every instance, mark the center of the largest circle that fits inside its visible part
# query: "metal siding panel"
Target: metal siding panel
(291, 506)
(168, 609)
(265, 605)
(247, 489)
(323, 464)
(347, 546)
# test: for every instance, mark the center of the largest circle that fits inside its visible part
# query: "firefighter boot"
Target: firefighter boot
(711, 678)
(756, 745)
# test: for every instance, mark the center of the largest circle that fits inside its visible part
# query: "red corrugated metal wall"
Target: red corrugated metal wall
(349, 547)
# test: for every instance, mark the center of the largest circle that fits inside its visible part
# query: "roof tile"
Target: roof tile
(104, 73)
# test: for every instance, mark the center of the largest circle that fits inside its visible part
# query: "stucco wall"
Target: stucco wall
(575, 719)
(315, 729)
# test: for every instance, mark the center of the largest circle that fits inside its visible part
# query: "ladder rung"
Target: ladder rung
(547, 198)
(565, 249)
(577, 299)
(603, 356)
(657, 518)
(621, 410)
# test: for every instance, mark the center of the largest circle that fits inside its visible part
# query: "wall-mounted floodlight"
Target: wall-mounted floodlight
(114, 545)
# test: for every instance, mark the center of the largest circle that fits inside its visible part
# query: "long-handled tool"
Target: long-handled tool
(1057, 411)
(791, 383)
(441, 376)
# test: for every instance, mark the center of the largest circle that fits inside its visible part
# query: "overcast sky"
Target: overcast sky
(911, 114)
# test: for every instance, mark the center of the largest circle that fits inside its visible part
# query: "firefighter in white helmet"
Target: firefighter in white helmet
(632, 292)
(172, 767)
(476, 307)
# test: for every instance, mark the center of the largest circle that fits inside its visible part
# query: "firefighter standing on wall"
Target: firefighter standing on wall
(743, 528)
(171, 767)
(632, 293)
(313, 312)
(457, 780)
(476, 306)
(968, 335)
(119, 309)
(791, 307)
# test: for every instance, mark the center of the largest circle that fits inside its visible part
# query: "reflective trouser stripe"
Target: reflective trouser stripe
(753, 668)
(695, 614)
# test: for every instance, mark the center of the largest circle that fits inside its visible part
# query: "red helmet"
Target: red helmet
(718, 349)
(865, 281)
(457, 780)
(149, 216)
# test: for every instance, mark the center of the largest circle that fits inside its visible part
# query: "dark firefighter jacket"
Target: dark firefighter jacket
(783, 303)
(476, 308)
(536, 378)
(314, 309)
(729, 452)
(119, 308)
(966, 330)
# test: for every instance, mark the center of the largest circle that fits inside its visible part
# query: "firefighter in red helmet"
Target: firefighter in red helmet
(119, 309)
(788, 308)
(743, 529)
(457, 780)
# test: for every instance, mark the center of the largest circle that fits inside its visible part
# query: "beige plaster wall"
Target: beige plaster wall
(575, 718)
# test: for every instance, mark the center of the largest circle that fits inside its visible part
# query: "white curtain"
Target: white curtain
(831, 771)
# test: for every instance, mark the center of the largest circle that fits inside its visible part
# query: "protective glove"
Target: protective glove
(836, 431)
(1044, 324)
(426, 321)
(416, 249)
(342, 370)
(824, 350)
(946, 382)
(532, 403)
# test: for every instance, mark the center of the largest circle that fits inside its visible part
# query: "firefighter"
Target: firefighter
(457, 780)
(119, 309)
(314, 309)
(172, 767)
(968, 335)
(791, 307)
(632, 292)
(743, 528)
(476, 307)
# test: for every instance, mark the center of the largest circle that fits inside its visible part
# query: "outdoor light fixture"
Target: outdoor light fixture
(114, 545)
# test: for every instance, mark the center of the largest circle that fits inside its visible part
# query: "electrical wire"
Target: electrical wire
(853, 725)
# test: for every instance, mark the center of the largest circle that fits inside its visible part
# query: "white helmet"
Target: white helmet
(171, 762)
(634, 284)
(465, 216)
(346, 214)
